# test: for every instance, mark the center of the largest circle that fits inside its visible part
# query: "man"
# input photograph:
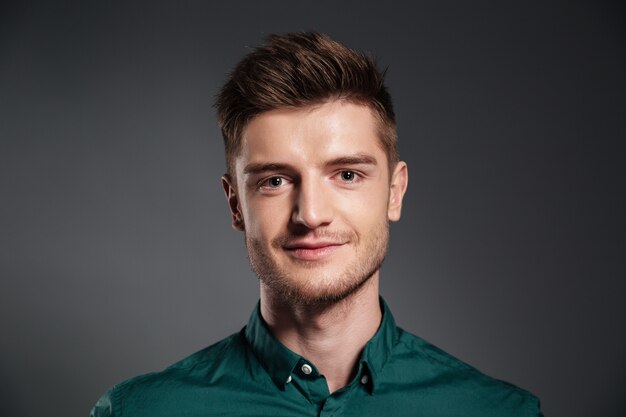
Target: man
(313, 178)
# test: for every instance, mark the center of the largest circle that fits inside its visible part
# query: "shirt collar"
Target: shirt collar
(379, 348)
(279, 361)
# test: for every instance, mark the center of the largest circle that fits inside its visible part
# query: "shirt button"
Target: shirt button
(364, 379)
(306, 369)
(288, 379)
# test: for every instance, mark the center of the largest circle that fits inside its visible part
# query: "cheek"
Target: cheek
(363, 207)
(264, 218)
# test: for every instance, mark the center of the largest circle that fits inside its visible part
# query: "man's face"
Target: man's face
(314, 197)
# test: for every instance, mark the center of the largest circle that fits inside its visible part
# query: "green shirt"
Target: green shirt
(252, 374)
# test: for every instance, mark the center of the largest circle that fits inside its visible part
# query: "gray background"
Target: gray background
(116, 252)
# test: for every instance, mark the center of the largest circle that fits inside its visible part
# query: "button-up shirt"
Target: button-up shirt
(252, 374)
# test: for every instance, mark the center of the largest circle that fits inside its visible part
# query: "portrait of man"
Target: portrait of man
(325, 208)
(313, 179)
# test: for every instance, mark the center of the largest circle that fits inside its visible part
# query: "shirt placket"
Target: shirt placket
(314, 388)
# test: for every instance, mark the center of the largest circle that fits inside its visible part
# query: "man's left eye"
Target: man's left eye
(348, 176)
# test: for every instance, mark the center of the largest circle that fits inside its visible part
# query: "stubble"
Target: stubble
(310, 283)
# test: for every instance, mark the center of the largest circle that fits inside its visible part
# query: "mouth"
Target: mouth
(312, 251)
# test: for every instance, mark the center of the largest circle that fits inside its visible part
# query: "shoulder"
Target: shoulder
(457, 380)
(147, 391)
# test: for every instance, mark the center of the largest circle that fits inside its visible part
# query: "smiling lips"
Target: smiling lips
(312, 250)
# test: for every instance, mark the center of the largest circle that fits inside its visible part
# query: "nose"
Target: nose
(313, 204)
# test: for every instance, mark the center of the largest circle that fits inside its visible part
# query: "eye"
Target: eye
(348, 176)
(275, 182)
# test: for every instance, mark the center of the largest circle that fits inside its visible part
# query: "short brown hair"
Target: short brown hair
(297, 70)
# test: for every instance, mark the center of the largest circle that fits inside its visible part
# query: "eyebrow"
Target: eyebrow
(357, 159)
(262, 167)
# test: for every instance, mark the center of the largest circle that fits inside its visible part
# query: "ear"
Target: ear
(233, 202)
(397, 188)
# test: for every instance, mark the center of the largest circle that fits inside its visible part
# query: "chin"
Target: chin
(316, 290)
(320, 282)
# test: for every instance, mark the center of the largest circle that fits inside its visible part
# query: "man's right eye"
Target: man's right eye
(273, 182)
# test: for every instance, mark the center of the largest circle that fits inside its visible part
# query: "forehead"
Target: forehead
(311, 135)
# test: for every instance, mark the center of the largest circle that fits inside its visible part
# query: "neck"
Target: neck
(332, 336)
